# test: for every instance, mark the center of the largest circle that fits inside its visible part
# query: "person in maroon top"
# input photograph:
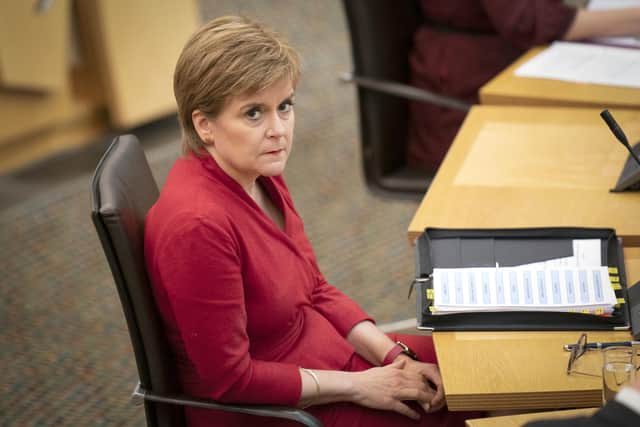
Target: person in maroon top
(464, 43)
(248, 313)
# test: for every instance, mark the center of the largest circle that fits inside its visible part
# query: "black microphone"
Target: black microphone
(617, 131)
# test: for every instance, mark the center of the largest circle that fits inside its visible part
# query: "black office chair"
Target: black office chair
(381, 39)
(123, 190)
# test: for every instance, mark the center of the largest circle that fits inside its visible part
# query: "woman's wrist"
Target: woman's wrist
(391, 355)
(398, 349)
(327, 386)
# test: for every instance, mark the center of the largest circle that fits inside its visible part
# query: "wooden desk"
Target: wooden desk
(520, 419)
(522, 370)
(528, 167)
(518, 370)
(533, 167)
(508, 89)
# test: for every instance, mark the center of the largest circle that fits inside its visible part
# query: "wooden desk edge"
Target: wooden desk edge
(518, 420)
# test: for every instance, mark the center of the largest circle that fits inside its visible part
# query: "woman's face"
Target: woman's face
(253, 134)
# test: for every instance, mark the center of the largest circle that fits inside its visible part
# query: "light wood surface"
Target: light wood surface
(26, 113)
(36, 125)
(137, 45)
(508, 89)
(529, 167)
(80, 131)
(518, 370)
(533, 167)
(33, 46)
(521, 419)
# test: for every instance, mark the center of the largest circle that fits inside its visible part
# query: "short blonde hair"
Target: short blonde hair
(227, 57)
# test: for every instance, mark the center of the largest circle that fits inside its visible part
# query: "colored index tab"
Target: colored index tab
(614, 279)
(616, 286)
(613, 270)
(620, 301)
(430, 293)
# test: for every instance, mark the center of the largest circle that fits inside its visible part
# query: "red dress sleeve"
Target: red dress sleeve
(201, 271)
(527, 23)
(343, 312)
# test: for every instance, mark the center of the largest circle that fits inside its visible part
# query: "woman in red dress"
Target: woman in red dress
(249, 315)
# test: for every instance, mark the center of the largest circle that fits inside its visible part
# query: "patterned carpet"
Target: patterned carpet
(65, 352)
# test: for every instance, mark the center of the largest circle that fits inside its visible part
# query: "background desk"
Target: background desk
(533, 167)
(508, 89)
(528, 167)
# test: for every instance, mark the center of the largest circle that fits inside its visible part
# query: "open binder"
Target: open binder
(464, 248)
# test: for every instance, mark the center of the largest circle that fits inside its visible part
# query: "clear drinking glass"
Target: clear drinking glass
(618, 369)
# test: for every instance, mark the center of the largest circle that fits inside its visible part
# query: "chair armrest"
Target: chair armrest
(139, 395)
(405, 91)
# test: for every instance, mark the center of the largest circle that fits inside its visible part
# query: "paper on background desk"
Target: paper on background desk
(585, 63)
(578, 283)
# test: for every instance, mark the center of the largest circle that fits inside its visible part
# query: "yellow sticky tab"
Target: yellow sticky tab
(614, 279)
(616, 286)
(585, 311)
(599, 311)
(432, 309)
(620, 301)
(430, 294)
(613, 270)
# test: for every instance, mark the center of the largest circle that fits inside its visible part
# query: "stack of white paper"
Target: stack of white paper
(568, 284)
(585, 63)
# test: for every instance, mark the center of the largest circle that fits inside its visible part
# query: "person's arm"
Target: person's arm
(526, 23)
(604, 23)
(373, 344)
(383, 388)
(199, 267)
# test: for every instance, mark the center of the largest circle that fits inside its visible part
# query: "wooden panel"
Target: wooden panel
(28, 149)
(520, 419)
(24, 114)
(37, 124)
(533, 167)
(137, 45)
(508, 89)
(33, 46)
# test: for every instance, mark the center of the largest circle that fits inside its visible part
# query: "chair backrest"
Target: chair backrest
(123, 190)
(381, 39)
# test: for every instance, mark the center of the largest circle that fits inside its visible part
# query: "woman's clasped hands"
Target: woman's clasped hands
(389, 387)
